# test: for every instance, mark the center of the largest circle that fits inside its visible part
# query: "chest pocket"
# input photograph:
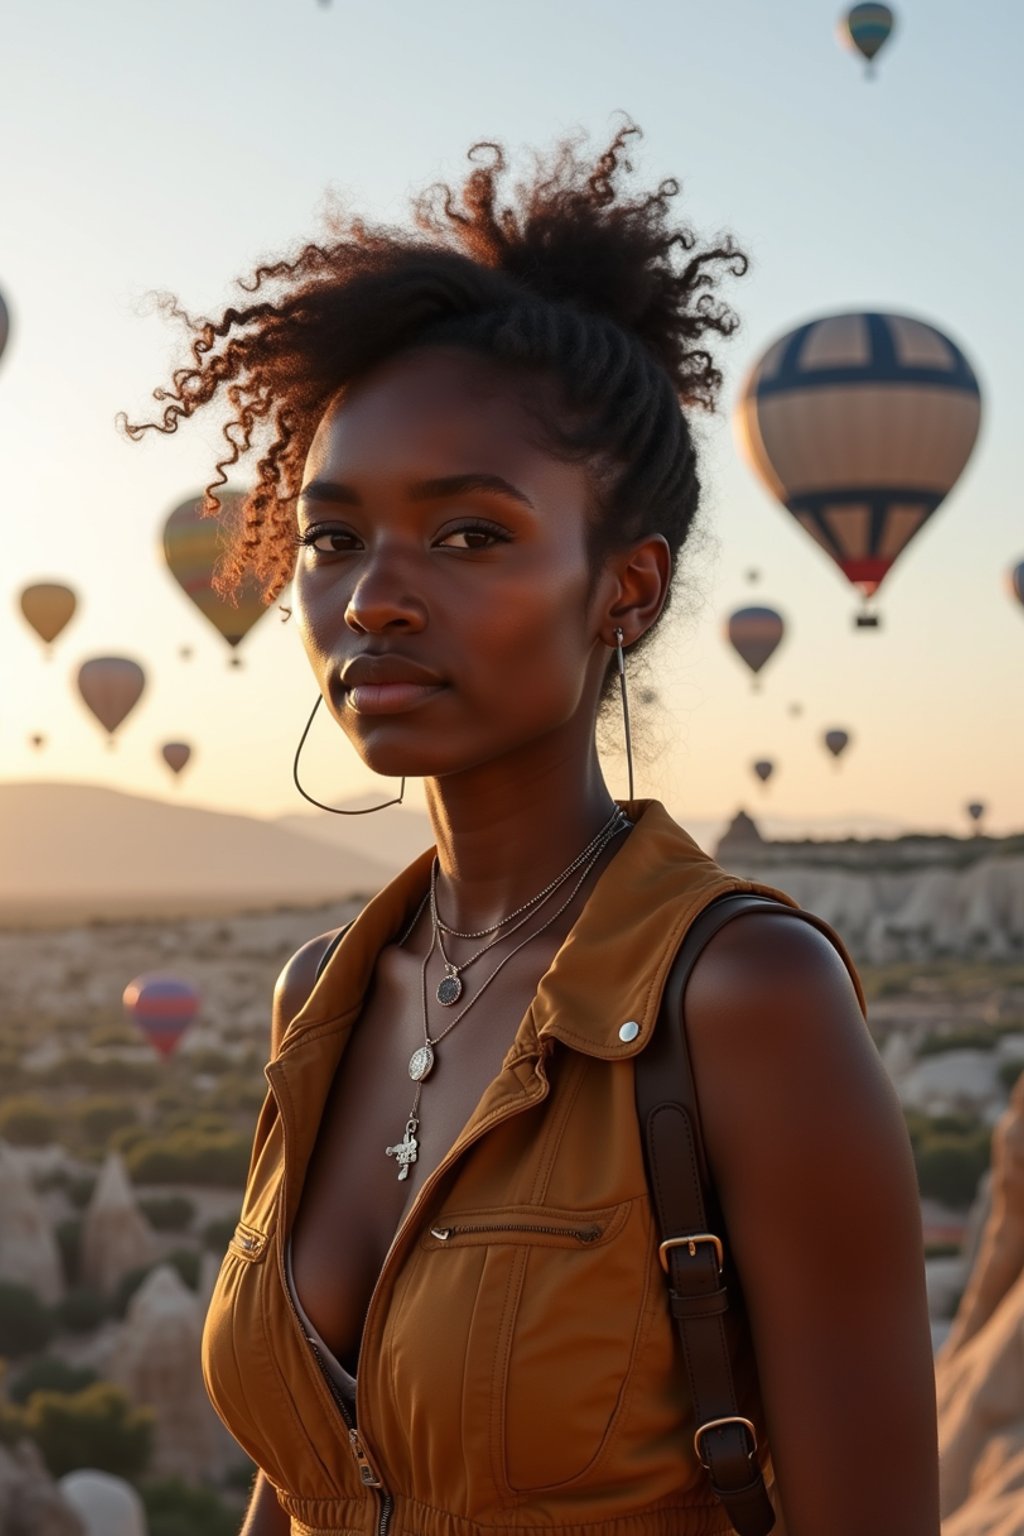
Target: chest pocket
(545, 1310)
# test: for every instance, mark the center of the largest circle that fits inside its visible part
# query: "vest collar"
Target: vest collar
(610, 970)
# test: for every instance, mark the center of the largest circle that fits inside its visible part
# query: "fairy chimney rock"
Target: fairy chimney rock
(29, 1254)
(156, 1360)
(116, 1237)
(106, 1505)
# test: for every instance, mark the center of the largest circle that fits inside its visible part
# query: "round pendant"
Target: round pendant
(449, 990)
(421, 1063)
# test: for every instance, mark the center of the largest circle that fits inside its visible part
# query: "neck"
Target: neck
(504, 831)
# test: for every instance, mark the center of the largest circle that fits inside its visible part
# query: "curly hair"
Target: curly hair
(572, 279)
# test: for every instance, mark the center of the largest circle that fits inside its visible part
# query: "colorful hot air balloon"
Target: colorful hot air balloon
(48, 606)
(192, 546)
(162, 1006)
(836, 742)
(764, 769)
(111, 686)
(866, 28)
(754, 633)
(860, 424)
(175, 754)
(1015, 578)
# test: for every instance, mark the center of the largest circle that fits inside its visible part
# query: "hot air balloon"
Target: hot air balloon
(867, 28)
(1015, 578)
(5, 325)
(764, 769)
(860, 424)
(185, 652)
(111, 686)
(48, 606)
(796, 709)
(753, 574)
(192, 546)
(754, 634)
(975, 810)
(836, 742)
(37, 740)
(175, 754)
(162, 1006)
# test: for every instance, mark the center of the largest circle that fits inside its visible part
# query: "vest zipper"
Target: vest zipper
(367, 1472)
(582, 1234)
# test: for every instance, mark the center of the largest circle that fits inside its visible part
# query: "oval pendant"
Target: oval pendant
(421, 1063)
(449, 990)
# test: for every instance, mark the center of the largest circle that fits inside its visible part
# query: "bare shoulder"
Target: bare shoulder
(295, 983)
(810, 1154)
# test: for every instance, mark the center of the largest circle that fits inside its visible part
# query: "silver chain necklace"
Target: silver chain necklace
(451, 986)
(423, 1060)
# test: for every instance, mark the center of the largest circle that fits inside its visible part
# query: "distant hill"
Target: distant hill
(77, 851)
(393, 838)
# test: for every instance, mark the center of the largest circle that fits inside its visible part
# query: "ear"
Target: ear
(634, 589)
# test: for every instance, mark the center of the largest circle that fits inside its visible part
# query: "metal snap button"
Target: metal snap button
(629, 1030)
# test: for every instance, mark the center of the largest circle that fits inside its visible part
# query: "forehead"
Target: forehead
(440, 410)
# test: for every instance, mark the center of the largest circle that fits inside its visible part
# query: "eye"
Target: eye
(474, 535)
(327, 541)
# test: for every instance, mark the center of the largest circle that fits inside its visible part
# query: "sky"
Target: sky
(171, 147)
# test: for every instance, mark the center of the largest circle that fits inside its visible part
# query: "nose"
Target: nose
(383, 600)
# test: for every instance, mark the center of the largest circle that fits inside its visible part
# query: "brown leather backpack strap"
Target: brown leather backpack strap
(703, 1285)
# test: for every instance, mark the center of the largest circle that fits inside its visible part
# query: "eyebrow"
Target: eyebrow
(422, 490)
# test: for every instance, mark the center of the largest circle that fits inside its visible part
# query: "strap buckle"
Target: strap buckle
(732, 1418)
(690, 1242)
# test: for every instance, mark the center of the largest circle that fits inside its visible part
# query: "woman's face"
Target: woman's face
(443, 589)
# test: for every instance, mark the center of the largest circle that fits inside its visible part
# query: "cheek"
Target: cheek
(531, 644)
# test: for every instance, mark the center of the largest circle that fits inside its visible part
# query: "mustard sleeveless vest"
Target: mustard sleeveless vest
(519, 1367)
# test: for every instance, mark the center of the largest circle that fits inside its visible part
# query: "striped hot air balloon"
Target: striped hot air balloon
(860, 424)
(162, 1006)
(866, 29)
(110, 687)
(192, 547)
(754, 634)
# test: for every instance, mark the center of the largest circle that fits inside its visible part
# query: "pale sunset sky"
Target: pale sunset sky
(171, 146)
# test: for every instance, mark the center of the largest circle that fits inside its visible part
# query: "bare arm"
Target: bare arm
(811, 1157)
(265, 1517)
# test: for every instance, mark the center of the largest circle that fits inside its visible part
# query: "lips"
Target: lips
(387, 685)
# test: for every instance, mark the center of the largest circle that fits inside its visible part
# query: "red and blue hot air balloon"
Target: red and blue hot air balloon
(162, 1006)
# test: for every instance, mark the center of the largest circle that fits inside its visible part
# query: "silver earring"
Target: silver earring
(336, 809)
(620, 662)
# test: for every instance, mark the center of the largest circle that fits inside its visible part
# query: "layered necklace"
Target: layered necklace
(451, 986)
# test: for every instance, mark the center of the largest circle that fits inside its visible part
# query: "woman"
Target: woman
(477, 467)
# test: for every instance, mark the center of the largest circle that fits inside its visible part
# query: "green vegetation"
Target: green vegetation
(25, 1323)
(173, 1508)
(49, 1373)
(96, 1427)
(168, 1213)
(188, 1156)
(98, 1118)
(27, 1122)
(219, 1232)
(1008, 1073)
(951, 1152)
(82, 1310)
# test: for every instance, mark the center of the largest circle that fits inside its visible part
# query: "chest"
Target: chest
(353, 1199)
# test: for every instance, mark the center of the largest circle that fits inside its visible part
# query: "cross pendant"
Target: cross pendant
(407, 1150)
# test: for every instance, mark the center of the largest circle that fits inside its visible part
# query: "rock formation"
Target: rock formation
(28, 1249)
(116, 1237)
(979, 1368)
(156, 1360)
(30, 1501)
(106, 1505)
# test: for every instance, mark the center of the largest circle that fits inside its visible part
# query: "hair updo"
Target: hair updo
(572, 279)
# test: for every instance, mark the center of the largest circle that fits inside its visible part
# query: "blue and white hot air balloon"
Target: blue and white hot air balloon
(860, 424)
(866, 29)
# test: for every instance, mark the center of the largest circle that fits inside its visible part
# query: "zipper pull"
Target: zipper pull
(441, 1233)
(366, 1471)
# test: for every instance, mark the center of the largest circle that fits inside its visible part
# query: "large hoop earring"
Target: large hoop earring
(620, 662)
(336, 809)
